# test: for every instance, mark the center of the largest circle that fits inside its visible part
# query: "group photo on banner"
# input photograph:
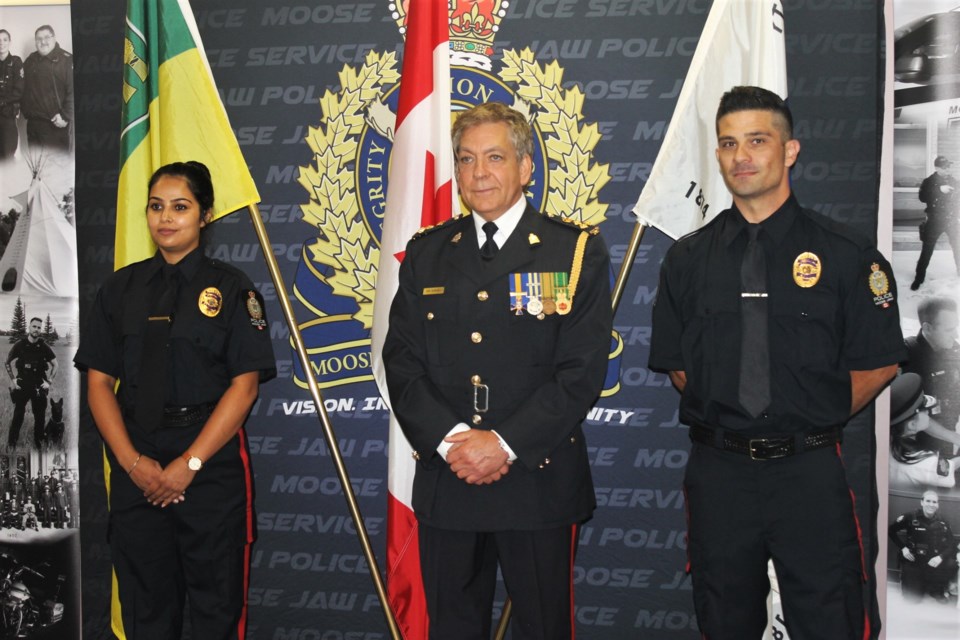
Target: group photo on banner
(480, 319)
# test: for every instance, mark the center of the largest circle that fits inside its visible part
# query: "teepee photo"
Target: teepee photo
(41, 256)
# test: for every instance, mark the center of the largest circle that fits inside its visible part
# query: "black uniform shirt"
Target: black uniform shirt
(939, 204)
(219, 329)
(32, 361)
(48, 86)
(11, 85)
(844, 319)
(940, 371)
(925, 537)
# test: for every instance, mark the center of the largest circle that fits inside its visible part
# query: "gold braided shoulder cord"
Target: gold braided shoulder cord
(577, 265)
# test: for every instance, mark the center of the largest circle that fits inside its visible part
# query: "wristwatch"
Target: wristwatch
(193, 462)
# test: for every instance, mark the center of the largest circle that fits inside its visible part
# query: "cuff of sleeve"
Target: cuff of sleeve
(511, 456)
(444, 447)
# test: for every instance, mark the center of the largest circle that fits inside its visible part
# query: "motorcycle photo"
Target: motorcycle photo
(29, 598)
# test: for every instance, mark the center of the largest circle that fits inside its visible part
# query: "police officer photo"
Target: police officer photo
(913, 414)
(48, 93)
(187, 338)
(777, 325)
(32, 367)
(496, 350)
(934, 354)
(927, 550)
(11, 90)
(938, 192)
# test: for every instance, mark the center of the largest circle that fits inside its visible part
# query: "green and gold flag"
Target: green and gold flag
(171, 112)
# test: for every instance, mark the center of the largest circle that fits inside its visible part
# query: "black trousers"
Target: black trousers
(799, 511)
(44, 135)
(9, 136)
(198, 550)
(38, 405)
(930, 232)
(460, 576)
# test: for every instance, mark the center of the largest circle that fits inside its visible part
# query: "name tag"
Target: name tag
(433, 291)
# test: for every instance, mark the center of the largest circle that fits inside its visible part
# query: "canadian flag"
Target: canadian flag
(420, 193)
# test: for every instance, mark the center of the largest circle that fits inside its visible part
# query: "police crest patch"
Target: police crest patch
(254, 305)
(880, 286)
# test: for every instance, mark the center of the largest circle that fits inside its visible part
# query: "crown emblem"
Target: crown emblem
(473, 27)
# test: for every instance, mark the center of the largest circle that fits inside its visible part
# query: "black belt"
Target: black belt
(174, 417)
(759, 448)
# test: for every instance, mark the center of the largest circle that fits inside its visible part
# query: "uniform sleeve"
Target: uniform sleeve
(872, 336)
(556, 407)
(249, 347)
(423, 414)
(924, 194)
(100, 341)
(16, 86)
(665, 350)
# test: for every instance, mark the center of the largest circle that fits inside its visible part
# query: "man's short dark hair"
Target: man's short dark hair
(757, 98)
(929, 308)
(40, 320)
(44, 27)
(6, 32)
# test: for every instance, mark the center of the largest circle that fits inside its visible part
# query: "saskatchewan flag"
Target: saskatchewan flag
(171, 113)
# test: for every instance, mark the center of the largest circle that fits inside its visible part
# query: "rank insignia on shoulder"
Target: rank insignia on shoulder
(254, 305)
(806, 270)
(210, 302)
(533, 239)
(456, 238)
(880, 286)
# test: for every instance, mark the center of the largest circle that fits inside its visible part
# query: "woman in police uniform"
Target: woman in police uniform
(187, 338)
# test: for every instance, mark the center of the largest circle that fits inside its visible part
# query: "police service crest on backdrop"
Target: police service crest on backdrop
(347, 180)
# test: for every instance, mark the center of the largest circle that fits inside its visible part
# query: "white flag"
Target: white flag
(742, 44)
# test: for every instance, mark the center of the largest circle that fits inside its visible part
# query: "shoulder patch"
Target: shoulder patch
(253, 303)
(425, 231)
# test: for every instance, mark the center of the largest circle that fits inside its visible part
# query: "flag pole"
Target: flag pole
(328, 433)
(615, 295)
(627, 266)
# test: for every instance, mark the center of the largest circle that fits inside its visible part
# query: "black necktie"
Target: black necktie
(152, 380)
(489, 248)
(754, 346)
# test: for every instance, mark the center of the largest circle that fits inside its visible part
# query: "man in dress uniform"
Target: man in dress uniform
(11, 89)
(36, 367)
(934, 355)
(48, 93)
(497, 348)
(938, 192)
(928, 551)
(776, 324)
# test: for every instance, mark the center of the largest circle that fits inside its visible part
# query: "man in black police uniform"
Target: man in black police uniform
(938, 192)
(777, 325)
(928, 551)
(934, 355)
(497, 348)
(48, 93)
(36, 367)
(11, 89)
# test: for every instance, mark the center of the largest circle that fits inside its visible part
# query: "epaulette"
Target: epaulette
(425, 231)
(573, 222)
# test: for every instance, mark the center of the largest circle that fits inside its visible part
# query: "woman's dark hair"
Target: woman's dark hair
(904, 448)
(197, 177)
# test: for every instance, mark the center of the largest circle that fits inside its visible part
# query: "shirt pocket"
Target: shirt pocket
(440, 324)
(804, 331)
(533, 338)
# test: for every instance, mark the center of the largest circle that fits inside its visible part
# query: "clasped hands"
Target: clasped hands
(477, 457)
(163, 486)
